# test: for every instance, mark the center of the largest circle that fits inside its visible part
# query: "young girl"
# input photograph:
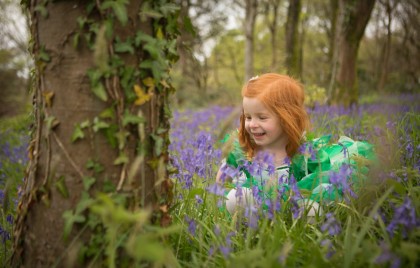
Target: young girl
(273, 123)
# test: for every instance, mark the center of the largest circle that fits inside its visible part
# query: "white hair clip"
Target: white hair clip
(253, 78)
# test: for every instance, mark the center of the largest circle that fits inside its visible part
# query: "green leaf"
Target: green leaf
(77, 134)
(122, 138)
(85, 124)
(121, 159)
(119, 9)
(88, 182)
(98, 124)
(42, 10)
(97, 167)
(60, 184)
(107, 113)
(124, 47)
(129, 118)
(96, 84)
(69, 219)
(43, 55)
(158, 144)
(100, 92)
(52, 122)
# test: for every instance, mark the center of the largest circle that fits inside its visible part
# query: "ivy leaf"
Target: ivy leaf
(99, 91)
(69, 219)
(149, 83)
(42, 10)
(52, 122)
(142, 97)
(119, 9)
(123, 47)
(97, 167)
(88, 182)
(122, 138)
(43, 55)
(60, 184)
(129, 118)
(96, 84)
(107, 113)
(121, 159)
(85, 124)
(77, 134)
(158, 144)
(48, 96)
(169, 8)
(98, 124)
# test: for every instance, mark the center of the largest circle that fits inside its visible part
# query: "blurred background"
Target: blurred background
(211, 68)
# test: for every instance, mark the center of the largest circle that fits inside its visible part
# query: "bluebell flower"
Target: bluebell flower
(331, 225)
(198, 199)
(341, 179)
(192, 225)
(9, 219)
(326, 243)
(387, 256)
(405, 218)
(216, 189)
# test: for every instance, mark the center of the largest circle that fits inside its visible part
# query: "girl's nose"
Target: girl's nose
(253, 124)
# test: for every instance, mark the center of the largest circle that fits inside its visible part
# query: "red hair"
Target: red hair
(285, 97)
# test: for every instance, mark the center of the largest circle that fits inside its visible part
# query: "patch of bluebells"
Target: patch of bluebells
(13, 159)
(341, 180)
(193, 154)
(387, 256)
(331, 224)
(404, 219)
(192, 225)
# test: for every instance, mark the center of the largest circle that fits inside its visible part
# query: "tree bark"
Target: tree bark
(249, 25)
(386, 48)
(272, 22)
(59, 167)
(292, 42)
(354, 16)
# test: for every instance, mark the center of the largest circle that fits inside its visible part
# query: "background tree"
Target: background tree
(14, 59)
(389, 8)
(354, 16)
(271, 14)
(293, 44)
(201, 22)
(101, 130)
(251, 10)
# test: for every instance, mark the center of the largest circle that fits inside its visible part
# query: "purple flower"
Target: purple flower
(340, 179)
(331, 225)
(326, 243)
(192, 225)
(216, 189)
(405, 218)
(387, 256)
(9, 219)
(198, 199)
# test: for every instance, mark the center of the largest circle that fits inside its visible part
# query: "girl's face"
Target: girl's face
(263, 126)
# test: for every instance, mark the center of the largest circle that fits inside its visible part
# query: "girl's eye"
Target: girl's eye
(247, 118)
(263, 118)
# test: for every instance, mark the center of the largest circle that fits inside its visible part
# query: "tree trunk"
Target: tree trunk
(354, 16)
(250, 17)
(292, 42)
(333, 28)
(386, 49)
(92, 133)
(273, 6)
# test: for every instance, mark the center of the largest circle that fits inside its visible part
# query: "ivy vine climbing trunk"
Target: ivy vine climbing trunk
(100, 137)
(353, 18)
